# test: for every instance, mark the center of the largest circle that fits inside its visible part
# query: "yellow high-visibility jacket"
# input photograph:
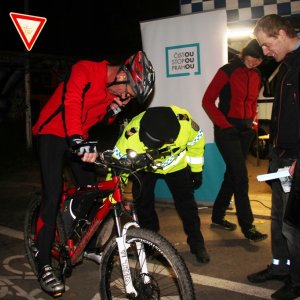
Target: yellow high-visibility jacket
(187, 149)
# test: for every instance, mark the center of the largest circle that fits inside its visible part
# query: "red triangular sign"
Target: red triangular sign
(29, 27)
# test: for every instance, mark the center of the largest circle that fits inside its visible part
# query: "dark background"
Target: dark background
(84, 28)
(74, 30)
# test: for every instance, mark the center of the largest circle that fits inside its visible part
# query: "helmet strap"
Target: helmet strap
(115, 82)
(120, 78)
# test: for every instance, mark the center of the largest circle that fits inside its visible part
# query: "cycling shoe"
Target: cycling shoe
(49, 282)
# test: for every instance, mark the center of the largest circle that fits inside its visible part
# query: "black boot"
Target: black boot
(272, 272)
(289, 291)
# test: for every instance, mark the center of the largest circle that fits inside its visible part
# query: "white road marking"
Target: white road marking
(241, 288)
(232, 286)
(9, 267)
(11, 233)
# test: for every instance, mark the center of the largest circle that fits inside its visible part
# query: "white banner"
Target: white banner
(186, 51)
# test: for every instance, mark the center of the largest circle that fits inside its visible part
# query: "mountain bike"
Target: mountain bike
(136, 263)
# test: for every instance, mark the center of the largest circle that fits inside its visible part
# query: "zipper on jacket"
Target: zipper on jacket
(279, 109)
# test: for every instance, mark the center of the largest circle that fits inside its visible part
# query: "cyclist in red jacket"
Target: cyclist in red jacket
(93, 92)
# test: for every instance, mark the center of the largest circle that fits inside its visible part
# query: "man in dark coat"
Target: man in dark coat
(279, 40)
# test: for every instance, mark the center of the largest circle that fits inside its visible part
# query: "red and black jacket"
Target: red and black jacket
(237, 88)
(78, 103)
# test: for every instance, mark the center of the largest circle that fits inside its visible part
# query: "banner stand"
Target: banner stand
(186, 52)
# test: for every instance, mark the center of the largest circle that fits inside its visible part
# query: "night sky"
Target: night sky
(86, 28)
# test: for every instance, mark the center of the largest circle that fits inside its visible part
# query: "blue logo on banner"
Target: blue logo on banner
(183, 60)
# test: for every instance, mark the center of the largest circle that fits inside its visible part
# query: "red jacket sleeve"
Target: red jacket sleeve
(210, 97)
(73, 98)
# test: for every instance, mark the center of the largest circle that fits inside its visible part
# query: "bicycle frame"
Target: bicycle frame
(114, 186)
(135, 263)
(110, 185)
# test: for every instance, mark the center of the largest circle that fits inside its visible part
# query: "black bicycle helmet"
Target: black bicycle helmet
(141, 75)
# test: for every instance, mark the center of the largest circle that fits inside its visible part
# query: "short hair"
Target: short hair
(252, 49)
(271, 24)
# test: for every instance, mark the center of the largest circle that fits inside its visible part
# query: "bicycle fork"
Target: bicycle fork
(122, 248)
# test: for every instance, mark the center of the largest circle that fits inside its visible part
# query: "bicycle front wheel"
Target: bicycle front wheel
(167, 276)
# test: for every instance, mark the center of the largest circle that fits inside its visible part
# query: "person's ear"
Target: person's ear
(282, 33)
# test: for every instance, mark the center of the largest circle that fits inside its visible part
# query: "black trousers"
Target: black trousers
(234, 149)
(285, 238)
(53, 152)
(182, 191)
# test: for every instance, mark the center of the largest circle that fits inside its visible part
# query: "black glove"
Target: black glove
(143, 160)
(80, 146)
(196, 178)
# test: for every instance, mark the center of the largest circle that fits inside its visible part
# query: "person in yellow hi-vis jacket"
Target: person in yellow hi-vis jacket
(180, 143)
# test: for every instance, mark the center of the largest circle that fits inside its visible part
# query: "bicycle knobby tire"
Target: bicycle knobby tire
(167, 271)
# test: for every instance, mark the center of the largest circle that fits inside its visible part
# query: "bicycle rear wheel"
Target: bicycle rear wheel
(31, 217)
(168, 274)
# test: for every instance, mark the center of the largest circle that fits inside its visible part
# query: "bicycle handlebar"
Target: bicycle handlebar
(131, 162)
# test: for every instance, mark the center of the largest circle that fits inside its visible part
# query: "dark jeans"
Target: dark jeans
(285, 238)
(182, 191)
(53, 151)
(279, 201)
(291, 226)
(234, 147)
(292, 235)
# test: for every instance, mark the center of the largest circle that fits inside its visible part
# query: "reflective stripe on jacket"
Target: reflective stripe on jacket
(188, 148)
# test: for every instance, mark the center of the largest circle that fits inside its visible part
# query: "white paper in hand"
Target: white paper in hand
(282, 174)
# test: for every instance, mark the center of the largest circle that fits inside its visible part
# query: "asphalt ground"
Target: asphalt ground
(224, 277)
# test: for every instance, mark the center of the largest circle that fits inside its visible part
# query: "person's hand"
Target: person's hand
(117, 105)
(292, 168)
(78, 145)
(196, 178)
(255, 125)
(89, 157)
(230, 131)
